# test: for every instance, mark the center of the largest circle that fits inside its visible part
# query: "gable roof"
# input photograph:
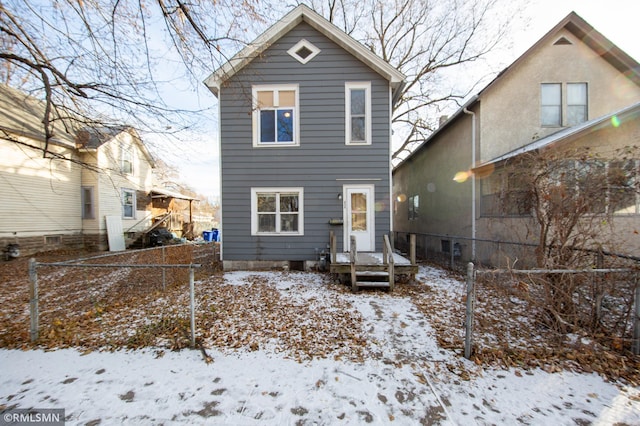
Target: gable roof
(21, 115)
(303, 13)
(582, 30)
(579, 28)
(92, 138)
(631, 112)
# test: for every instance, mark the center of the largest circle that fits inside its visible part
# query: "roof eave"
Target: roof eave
(286, 24)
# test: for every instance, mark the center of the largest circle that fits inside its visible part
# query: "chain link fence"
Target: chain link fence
(125, 299)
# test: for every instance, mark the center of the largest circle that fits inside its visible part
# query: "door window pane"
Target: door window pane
(358, 212)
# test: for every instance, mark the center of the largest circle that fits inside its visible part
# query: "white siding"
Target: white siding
(40, 196)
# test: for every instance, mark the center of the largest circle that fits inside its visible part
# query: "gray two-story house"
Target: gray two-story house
(305, 131)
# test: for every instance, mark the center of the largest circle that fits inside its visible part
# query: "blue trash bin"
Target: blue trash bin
(207, 235)
(216, 235)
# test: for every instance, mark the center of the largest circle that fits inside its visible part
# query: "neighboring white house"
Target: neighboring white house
(61, 198)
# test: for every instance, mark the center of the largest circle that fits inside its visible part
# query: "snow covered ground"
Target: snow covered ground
(406, 379)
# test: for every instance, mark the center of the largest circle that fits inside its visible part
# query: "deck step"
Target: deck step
(373, 274)
(372, 283)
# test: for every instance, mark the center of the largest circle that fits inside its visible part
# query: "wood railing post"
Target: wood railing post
(332, 246)
(412, 248)
(389, 261)
(353, 259)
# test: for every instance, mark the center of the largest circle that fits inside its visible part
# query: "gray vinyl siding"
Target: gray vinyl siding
(320, 165)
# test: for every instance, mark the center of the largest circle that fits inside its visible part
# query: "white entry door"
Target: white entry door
(359, 217)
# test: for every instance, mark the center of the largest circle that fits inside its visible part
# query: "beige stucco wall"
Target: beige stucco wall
(445, 205)
(620, 235)
(511, 107)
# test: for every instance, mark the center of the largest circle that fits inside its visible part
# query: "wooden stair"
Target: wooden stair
(368, 278)
(371, 275)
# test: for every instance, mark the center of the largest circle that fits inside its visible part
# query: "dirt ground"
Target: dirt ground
(110, 308)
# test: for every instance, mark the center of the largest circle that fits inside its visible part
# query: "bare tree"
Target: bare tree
(425, 40)
(573, 197)
(112, 62)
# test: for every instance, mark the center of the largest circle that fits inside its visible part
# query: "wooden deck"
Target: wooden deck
(373, 261)
(368, 269)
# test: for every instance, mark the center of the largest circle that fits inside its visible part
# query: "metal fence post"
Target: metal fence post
(469, 313)
(635, 346)
(193, 308)
(33, 299)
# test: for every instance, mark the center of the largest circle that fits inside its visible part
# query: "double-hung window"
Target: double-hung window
(358, 113)
(555, 111)
(275, 115)
(551, 104)
(126, 161)
(414, 207)
(277, 211)
(87, 202)
(576, 103)
(128, 204)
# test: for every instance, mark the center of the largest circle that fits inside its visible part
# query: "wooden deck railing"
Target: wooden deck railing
(387, 258)
(353, 258)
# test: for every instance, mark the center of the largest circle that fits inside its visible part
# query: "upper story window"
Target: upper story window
(551, 104)
(275, 115)
(303, 51)
(576, 103)
(126, 160)
(358, 113)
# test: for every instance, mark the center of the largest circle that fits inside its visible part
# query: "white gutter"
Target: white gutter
(473, 183)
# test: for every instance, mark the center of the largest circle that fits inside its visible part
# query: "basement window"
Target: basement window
(303, 51)
(52, 240)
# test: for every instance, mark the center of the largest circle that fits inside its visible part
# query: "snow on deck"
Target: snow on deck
(371, 259)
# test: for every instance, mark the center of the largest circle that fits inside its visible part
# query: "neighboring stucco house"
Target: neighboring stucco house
(305, 129)
(61, 199)
(564, 90)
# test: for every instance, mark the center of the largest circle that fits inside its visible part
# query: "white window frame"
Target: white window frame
(127, 156)
(358, 85)
(414, 207)
(571, 102)
(254, 210)
(87, 192)
(299, 45)
(555, 105)
(256, 114)
(133, 204)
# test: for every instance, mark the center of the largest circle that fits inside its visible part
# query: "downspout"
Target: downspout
(473, 183)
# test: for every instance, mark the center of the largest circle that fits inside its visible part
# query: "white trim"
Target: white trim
(348, 86)
(293, 52)
(255, 115)
(277, 190)
(287, 23)
(133, 204)
(371, 216)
